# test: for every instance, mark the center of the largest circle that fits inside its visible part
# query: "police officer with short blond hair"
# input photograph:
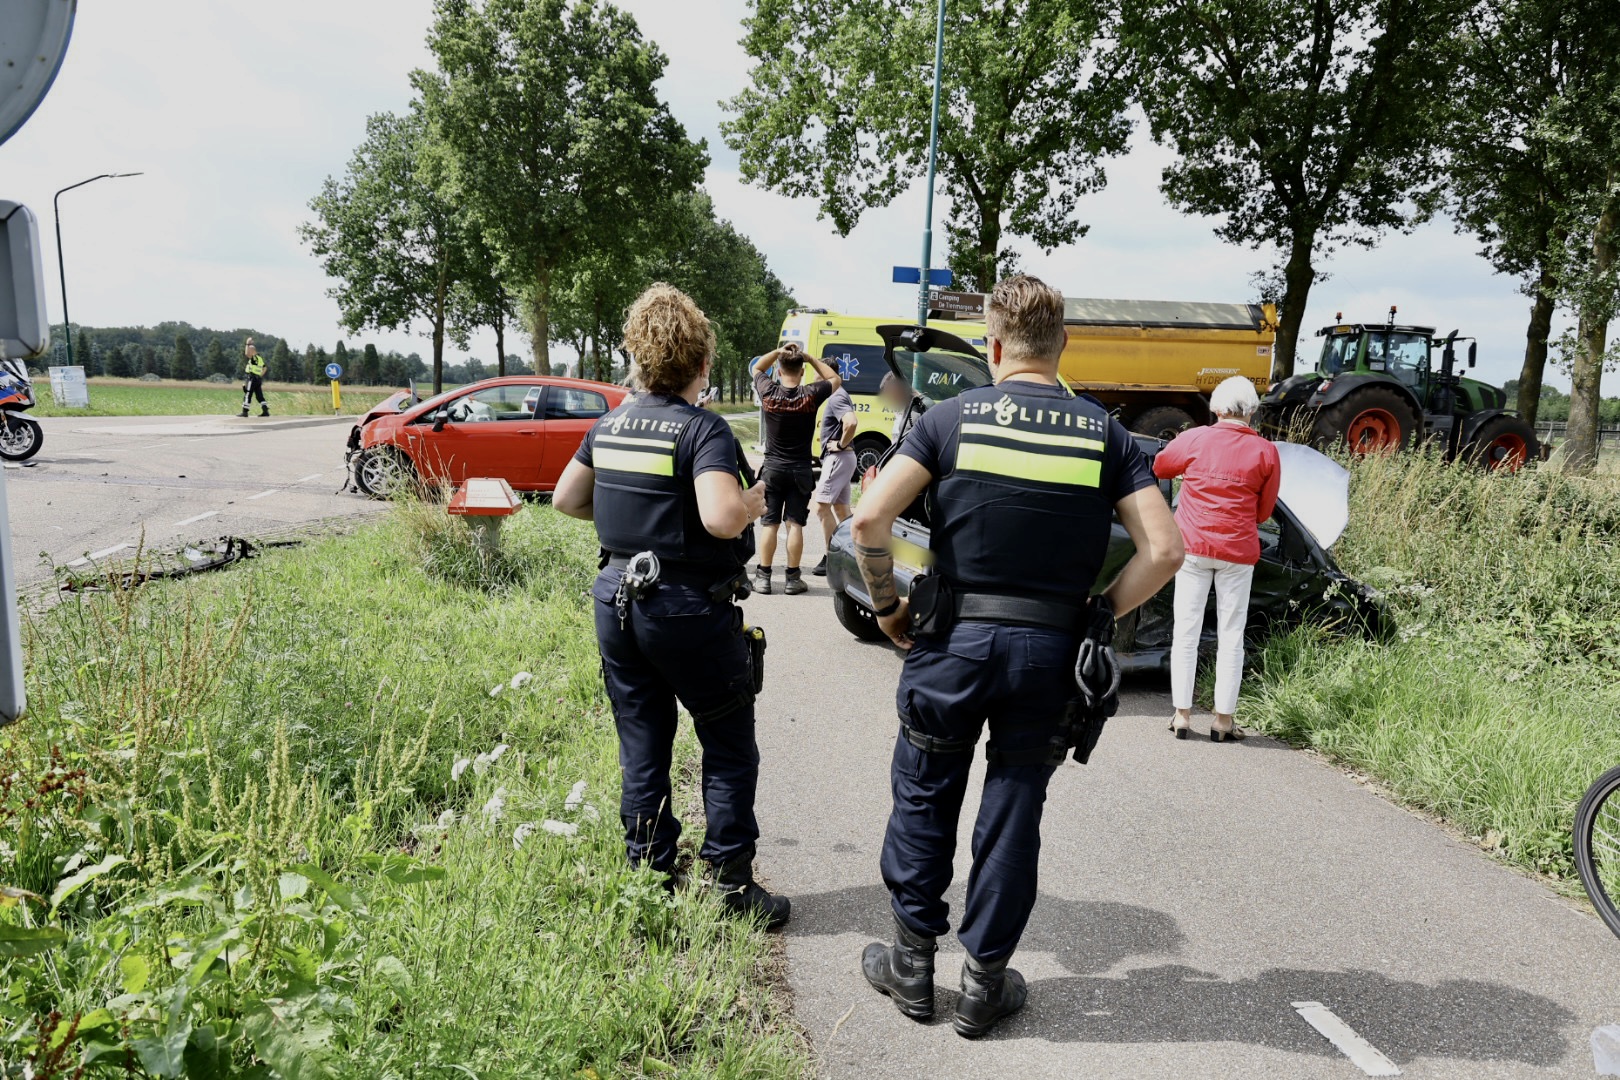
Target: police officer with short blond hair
(1023, 479)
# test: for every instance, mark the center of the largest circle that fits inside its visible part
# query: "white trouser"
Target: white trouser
(1231, 581)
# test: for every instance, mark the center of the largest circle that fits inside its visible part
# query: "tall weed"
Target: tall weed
(312, 818)
(1493, 707)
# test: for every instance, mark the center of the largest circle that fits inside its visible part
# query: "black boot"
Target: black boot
(266, 411)
(742, 895)
(904, 971)
(990, 991)
(244, 412)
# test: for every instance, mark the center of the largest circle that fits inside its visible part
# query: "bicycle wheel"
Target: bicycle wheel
(1597, 846)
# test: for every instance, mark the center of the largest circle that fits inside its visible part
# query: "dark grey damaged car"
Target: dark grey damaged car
(1296, 580)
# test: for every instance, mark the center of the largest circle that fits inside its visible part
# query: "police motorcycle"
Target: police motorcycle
(20, 437)
(1297, 578)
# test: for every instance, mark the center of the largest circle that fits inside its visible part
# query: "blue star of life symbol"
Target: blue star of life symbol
(849, 367)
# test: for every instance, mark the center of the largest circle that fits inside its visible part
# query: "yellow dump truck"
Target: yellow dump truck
(1153, 362)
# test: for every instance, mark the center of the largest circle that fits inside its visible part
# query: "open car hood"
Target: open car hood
(1316, 489)
(934, 362)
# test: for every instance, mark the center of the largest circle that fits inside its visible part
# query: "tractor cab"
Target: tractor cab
(1390, 387)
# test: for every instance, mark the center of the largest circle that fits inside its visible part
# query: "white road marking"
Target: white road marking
(307, 479)
(194, 520)
(102, 554)
(263, 494)
(1362, 1054)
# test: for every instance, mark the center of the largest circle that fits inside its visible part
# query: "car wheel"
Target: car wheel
(20, 438)
(383, 472)
(856, 618)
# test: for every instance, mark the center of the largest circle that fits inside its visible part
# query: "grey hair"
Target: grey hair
(1235, 397)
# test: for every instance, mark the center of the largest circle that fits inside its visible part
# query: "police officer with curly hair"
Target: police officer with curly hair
(1023, 479)
(664, 483)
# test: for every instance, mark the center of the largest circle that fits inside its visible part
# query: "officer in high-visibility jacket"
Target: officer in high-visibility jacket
(1023, 479)
(253, 384)
(664, 481)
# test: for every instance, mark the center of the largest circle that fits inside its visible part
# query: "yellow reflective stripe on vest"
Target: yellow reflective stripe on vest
(1015, 435)
(632, 461)
(1025, 465)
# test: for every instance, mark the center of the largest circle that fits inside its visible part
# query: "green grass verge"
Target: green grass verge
(131, 397)
(307, 819)
(1494, 706)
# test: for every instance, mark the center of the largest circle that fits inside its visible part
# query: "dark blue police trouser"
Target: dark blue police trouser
(678, 643)
(1020, 680)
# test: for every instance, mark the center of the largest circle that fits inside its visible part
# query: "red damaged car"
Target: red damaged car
(522, 428)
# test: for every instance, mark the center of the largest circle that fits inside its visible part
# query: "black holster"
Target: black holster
(754, 638)
(933, 607)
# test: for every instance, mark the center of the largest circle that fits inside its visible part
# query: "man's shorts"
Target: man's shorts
(837, 474)
(787, 494)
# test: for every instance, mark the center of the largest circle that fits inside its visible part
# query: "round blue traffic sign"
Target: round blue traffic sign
(334, 371)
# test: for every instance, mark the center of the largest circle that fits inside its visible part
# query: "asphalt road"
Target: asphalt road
(1191, 893)
(101, 484)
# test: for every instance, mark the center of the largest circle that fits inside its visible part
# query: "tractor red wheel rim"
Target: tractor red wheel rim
(1373, 431)
(1506, 451)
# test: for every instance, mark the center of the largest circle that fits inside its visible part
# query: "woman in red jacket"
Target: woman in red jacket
(1229, 484)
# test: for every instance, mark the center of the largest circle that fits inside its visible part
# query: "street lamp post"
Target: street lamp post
(933, 157)
(61, 267)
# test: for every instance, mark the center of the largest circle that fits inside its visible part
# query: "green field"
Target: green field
(1494, 707)
(132, 397)
(351, 811)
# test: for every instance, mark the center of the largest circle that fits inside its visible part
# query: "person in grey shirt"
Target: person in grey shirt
(838, 424)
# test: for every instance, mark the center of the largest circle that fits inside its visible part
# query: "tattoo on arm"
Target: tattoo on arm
(877, 569)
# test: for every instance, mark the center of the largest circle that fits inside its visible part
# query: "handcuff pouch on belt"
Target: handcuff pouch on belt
(932, 604)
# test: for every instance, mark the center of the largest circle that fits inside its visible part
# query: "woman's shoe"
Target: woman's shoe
(1234, 734)
(1180, 728)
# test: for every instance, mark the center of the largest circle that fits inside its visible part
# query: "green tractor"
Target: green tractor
(1378, 389)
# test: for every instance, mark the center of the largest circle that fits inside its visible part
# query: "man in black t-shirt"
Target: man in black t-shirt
(790, 406)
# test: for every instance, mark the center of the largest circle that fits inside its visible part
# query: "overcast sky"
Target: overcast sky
(236, 112)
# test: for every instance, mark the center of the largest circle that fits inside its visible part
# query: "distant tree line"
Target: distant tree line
(178, 350)
(537, 180)
(1554, 405)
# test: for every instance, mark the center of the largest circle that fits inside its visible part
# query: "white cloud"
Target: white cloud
(237, 112)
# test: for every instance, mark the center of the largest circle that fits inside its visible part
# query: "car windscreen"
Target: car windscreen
(938, 375)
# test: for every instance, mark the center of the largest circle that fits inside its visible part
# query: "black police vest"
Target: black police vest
(645, 499)
(1021, 510)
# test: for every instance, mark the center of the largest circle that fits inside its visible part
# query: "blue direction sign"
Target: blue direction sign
(911, 275)
(334, 371)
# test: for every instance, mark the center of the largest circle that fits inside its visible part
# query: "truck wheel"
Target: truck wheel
(1163, 422)
(868, 448)
(1374, 420)
(20, 438)
(1503, 442)
(857, 619)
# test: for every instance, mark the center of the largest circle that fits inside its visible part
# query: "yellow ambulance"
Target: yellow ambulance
(850, 343)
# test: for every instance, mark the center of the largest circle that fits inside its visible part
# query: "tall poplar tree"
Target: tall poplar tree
(550, 133)
(840, 98)
(1301, 125)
